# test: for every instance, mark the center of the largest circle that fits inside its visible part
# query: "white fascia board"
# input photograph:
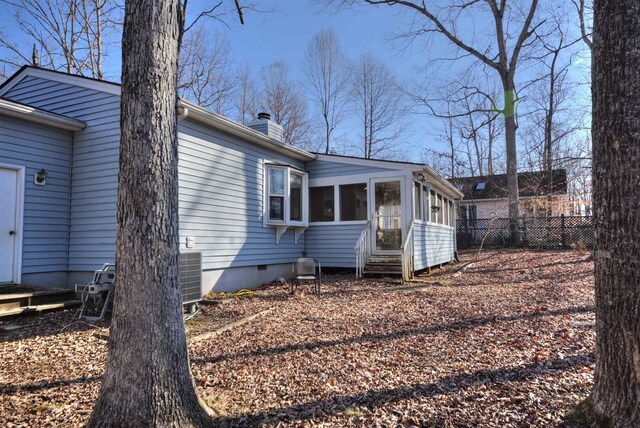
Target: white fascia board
(32, 114)
(443, 182)
(83, 82)
(224, 124)
(396, 166)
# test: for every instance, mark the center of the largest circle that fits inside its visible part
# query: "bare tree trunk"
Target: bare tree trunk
(512, 158)
(147, 380)
(616, 198)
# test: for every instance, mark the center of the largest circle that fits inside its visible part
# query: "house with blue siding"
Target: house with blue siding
(249, 204)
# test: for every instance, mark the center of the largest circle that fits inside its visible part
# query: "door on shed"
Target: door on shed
(8, 223)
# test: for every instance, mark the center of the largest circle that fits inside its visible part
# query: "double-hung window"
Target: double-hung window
(286, 196)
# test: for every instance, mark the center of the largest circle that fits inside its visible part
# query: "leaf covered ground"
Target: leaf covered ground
(507, 342)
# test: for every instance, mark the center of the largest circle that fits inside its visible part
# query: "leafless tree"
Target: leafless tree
(281, 97)
(69, 35)
(504, 30)
(205, 70)
(470, 121)
(246, 94)
(377, 102)
(327, 81)
(585, 17)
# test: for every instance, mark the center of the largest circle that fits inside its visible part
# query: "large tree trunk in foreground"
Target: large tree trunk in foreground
(616, 197)
(147, 380)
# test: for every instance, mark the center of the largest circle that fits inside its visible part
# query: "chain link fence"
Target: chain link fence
(533, 232)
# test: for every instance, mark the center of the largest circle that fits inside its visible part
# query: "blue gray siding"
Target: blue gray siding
(433, 244)
(221, 200)
(92, 229)
(332, 244)
(325, 168)
(46, 208)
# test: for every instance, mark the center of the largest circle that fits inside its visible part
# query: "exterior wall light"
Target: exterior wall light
(40, 177)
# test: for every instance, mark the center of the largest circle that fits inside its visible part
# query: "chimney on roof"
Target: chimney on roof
(264, 124)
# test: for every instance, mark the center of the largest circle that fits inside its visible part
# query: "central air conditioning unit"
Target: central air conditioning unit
(191, 276)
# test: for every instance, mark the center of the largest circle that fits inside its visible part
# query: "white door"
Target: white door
(8, 205)
(386, 215)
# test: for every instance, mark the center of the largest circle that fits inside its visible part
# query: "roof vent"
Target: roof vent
(263, 115)
(480, 186)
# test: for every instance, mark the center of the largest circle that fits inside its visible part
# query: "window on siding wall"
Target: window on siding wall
(276, 194)
(353, 202)
(295, 186)
(441, 210)
(321, 203)
(286, 195)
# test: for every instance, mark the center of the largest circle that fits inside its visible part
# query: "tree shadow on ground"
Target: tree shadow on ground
(453, 326)
(32, 325)
(41, 386)
(319, 409)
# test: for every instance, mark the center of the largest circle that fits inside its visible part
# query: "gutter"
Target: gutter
(33, 114)
(219, 122)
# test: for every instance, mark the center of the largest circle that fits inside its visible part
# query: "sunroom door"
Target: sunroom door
(386, 233)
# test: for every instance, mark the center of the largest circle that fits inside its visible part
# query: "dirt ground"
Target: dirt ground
(507, 342)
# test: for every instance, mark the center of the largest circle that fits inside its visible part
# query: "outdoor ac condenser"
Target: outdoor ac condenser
(191, 276)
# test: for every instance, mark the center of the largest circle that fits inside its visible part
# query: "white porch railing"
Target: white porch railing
(407, 255)
(362, 249)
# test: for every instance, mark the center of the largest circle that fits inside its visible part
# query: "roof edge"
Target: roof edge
(217, 121)
(33, 114)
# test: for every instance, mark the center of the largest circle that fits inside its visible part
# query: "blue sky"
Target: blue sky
(284, 31)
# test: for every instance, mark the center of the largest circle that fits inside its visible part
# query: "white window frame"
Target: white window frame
(336, 204)
(288, 171)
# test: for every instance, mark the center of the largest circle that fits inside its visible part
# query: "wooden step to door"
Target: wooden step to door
(36, 309)
(34, 298)
(37, 301)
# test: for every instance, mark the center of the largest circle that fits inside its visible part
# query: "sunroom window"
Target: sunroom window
(286, 196)
(353, 202)
(322, 203)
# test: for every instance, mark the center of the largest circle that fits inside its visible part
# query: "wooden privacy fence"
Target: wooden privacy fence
(536, 232)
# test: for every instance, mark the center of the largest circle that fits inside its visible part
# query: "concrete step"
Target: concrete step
(34, 298)
(39, 308)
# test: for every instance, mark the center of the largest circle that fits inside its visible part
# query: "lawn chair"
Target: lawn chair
(96, 295)
(306, 269)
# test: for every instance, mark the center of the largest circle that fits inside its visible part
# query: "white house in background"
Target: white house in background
(249, 204)
(485, 196)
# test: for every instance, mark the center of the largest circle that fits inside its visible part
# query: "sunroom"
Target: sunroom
(379, 217)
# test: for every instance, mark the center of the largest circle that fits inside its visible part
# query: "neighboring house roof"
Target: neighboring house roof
(193, 111)
(534, 183)
(32, 114)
